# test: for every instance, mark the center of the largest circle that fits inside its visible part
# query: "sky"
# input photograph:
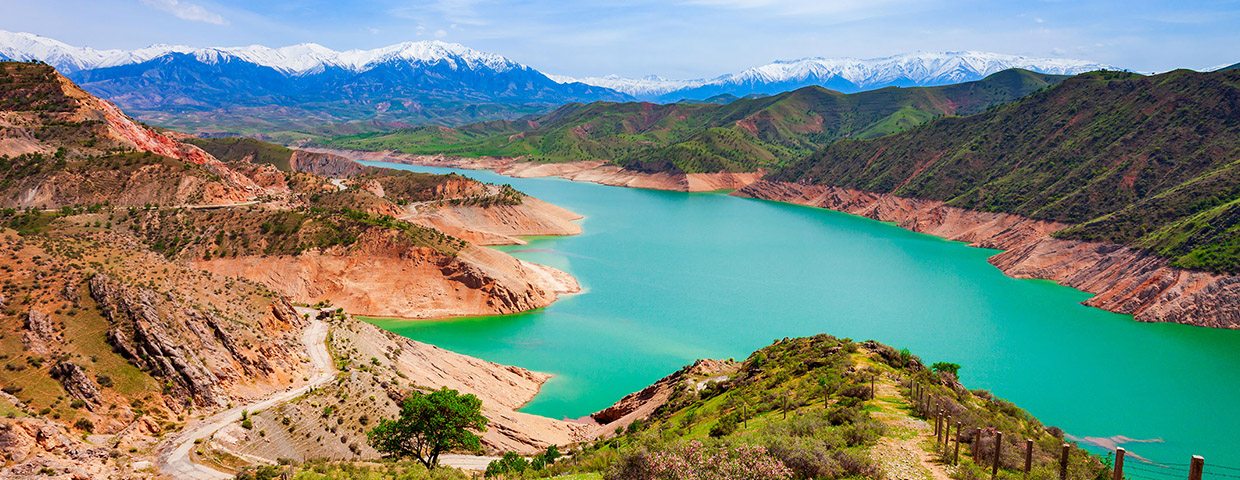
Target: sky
(671, 38)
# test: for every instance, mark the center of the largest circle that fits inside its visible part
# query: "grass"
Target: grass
(743, 135)
(1148, 161)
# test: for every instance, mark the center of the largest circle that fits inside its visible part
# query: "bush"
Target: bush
(509, 464)
(84, 425)
(696, 460)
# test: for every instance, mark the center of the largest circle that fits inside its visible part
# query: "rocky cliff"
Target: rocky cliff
(1124, 279)
(497, 224)
(379, 277)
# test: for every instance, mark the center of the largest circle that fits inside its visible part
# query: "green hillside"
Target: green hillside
(1148, 161)
(249, 149)
(742, 135)
(823, 408)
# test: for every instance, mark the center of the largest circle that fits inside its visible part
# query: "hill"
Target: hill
(814, 408)
(148, 283)
(739, 136)
(305, 89)
(1145, 161)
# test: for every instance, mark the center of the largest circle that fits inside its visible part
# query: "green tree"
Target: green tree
(941, 367)
(430, 424)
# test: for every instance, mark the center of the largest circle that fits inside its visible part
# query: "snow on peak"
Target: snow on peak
(921, 68)
(294, 59)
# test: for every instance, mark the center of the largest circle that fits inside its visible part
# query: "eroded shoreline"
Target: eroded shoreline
(1123, 279)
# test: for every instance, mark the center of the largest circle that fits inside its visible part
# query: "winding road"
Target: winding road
(175, 459)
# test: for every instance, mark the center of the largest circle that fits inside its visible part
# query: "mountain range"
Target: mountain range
(845, 75)
(309, 90)
(678, 138)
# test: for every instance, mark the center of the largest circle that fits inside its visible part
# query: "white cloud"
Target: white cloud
(186, 11)
(440, 34)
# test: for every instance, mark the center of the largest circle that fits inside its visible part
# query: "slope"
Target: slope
(740, 136)
(1144, 161)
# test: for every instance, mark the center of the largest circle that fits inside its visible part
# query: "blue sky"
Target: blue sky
(673, 38)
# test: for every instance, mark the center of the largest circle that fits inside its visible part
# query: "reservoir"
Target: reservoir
(672, 277)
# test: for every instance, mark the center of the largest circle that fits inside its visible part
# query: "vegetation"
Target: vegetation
(1145, 161)
(804, 408)
(430, 424)
(743, 135)
(247, 149)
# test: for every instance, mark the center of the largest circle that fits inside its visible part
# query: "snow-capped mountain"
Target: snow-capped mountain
(406, 83)
(296, 59)
(843, 74)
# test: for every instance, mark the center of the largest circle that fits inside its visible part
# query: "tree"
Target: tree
(430, 424)
(941, 367)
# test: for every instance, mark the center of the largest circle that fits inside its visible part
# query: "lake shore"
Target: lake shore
(596, 171)
(1124, 279)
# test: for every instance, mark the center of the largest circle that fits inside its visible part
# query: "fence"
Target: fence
(931, 407)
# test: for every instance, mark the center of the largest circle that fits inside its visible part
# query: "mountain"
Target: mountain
(257, 89)
(842, 74)
(1146, 161)
(740, 136)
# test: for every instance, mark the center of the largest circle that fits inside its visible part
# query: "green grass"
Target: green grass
(1145, 161)
(743, 135)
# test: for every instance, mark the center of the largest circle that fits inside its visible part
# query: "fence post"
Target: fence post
(947, 434)
(1028, 455)
(956, 456)
(1119, 463)
(785, 405)
(977, 439)
(994, 470)
(1063, 462)
(1196, 467)
(938, 427)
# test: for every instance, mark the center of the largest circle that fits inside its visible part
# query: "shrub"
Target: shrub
(84, 425)
(697, 461)
(510, 463)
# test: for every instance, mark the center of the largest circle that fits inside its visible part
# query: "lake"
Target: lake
(671, 277)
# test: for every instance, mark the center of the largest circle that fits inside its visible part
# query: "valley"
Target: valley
(740, 281)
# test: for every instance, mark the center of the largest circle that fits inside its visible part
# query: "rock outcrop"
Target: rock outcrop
(78, 383)
(196, 351)
(39, 332)
(643, 403)
(1124, 279)
(374, 277)
(325, 164)
(33, 447)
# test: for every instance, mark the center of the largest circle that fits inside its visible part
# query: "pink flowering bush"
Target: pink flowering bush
(695, 461)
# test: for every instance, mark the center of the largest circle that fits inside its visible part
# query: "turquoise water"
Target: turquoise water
(672, 277)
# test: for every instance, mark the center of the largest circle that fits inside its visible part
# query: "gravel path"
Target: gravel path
(902, 451)
(176, 462)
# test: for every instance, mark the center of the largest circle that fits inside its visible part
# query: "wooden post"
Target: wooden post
(1196, 468)
(873, 392)
(977, 439)
(785, 405)
(1063, 462)
(1028, 455)
(947, 436)
(937, 427)
(994, 470)
(956, 456)
(744, 415)
(1119, 464)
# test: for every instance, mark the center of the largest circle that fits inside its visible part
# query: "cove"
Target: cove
(671, 277)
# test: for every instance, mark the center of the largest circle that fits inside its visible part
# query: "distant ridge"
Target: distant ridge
(846, 75)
